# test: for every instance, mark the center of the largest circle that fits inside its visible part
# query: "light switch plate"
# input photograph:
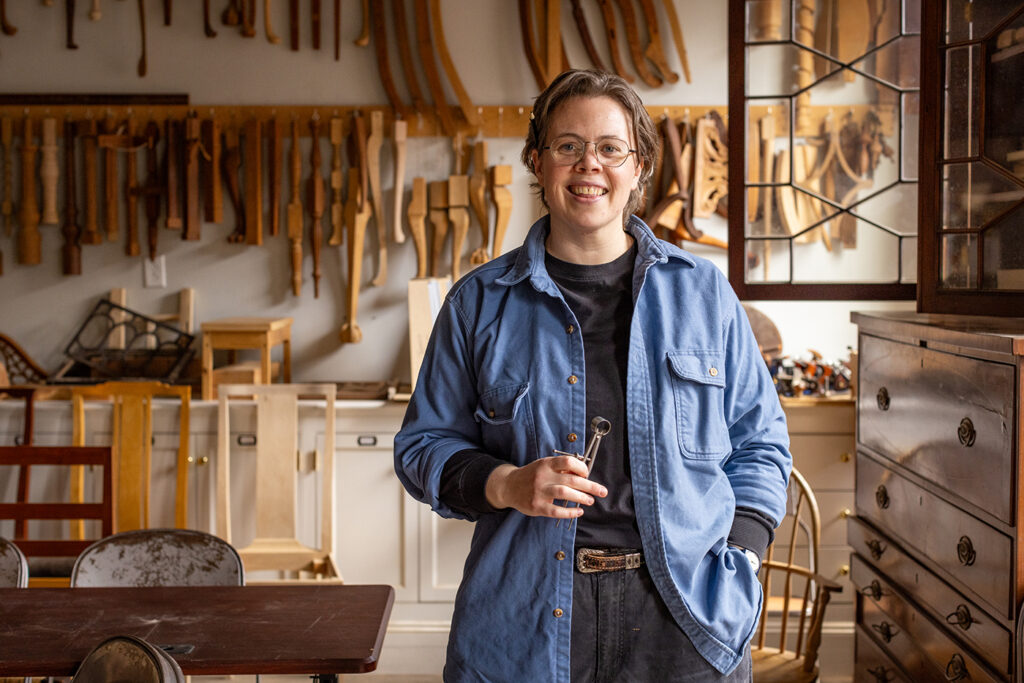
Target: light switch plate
(154, 273)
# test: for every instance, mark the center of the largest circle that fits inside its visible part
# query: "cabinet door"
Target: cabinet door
(376, 520)
(444, 544)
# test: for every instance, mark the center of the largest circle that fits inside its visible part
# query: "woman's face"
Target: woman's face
(587, 196)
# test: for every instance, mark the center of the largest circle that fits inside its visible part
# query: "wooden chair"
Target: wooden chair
(131, 439)
(794, 592)
(44, 554)
(158, 557)
(276, 546)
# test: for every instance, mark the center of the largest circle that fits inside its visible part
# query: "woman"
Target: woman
(653, 577)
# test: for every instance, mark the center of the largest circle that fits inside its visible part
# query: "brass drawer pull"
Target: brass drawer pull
(966, 432)
(873, 591)
(881, 674)
(956, 669)
(886, 630)
(882, 497)
(876, 548)
(961, 617)
(965, 551)
(882, 397)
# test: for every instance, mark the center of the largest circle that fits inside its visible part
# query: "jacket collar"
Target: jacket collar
(529, 260)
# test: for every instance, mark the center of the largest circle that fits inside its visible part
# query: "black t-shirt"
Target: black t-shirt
(601, 298)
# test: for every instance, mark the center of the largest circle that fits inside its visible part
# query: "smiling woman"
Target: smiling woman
(594, 320)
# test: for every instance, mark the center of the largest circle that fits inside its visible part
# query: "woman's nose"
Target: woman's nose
(589, 158)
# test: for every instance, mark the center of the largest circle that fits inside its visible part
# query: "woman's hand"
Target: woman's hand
(532, 489)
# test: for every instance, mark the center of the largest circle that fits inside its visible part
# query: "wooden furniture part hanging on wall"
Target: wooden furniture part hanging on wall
(276, 546)
(132, 439)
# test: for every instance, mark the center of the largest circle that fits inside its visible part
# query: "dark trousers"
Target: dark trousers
(622, 631)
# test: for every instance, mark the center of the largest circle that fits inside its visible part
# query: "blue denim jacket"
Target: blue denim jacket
(504, 373)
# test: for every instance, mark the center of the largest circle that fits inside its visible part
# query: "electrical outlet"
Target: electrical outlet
(154, 273)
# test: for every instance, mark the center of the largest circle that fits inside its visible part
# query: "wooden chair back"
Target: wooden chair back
(28, 421)
(795, 594)
(276, 545)
(131, 439)
(75, 512)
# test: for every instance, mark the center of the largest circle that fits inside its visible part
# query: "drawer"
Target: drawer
(966, 622)
(988, 638)
(969, 551)
(946, 417)
(912, 638)
(873, 664)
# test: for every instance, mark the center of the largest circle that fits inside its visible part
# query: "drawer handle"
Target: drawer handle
(246, 440)
(883, 398)
(880, 673)
(966, 432)
(876, 548)
(961, 617)
(956, 669)
(965, 551)
(886, 630)
(874, 591)
(366, 440)
(882, 496)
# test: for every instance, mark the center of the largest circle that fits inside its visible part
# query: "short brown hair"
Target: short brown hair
(592, 83)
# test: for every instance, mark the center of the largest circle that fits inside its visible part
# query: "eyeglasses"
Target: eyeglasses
(569, 149)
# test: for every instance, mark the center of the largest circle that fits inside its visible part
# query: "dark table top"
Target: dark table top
(286, 629)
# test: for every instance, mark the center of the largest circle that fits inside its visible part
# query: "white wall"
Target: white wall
(41, 309)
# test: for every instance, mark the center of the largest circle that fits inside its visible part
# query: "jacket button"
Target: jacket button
(490, 413)
(573, 379)
(713, 372)
(559, 555)
(572, 437)
(558, 612)
(569, 329)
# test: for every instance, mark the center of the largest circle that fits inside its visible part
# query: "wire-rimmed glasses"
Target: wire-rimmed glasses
(569, 149)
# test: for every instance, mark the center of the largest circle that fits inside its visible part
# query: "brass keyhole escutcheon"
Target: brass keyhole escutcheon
(965, 551)
(965, 433)
(882, 397)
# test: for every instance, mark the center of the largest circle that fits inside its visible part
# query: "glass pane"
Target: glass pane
(908, 254)
(973, 194)
(894, 208)
(875, 259)
(767, 260)
(961, 102)
(767, 20)
(912, 16)
(975, 19)
(1004, 106)
(1004, 253)
(910, 130)
(781, 69)
(958, 259)
(896, 63)
(769, 126)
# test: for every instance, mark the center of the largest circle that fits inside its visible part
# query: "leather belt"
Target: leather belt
(593, 560)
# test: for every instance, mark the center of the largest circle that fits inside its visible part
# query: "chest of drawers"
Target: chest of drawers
(937, 534)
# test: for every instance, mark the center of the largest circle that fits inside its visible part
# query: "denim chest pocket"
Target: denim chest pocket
(698, 387)
(506, 422)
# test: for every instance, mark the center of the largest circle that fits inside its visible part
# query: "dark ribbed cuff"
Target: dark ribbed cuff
(752, 529)
(464, 482)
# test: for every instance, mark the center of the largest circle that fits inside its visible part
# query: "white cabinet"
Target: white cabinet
(822, 441)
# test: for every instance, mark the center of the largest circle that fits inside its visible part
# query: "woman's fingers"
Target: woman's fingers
(534, 488)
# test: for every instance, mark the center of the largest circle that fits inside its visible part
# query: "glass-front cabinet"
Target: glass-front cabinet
(972, 238)
(823, 202)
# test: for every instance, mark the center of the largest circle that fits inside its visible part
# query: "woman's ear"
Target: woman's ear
(535, 164)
